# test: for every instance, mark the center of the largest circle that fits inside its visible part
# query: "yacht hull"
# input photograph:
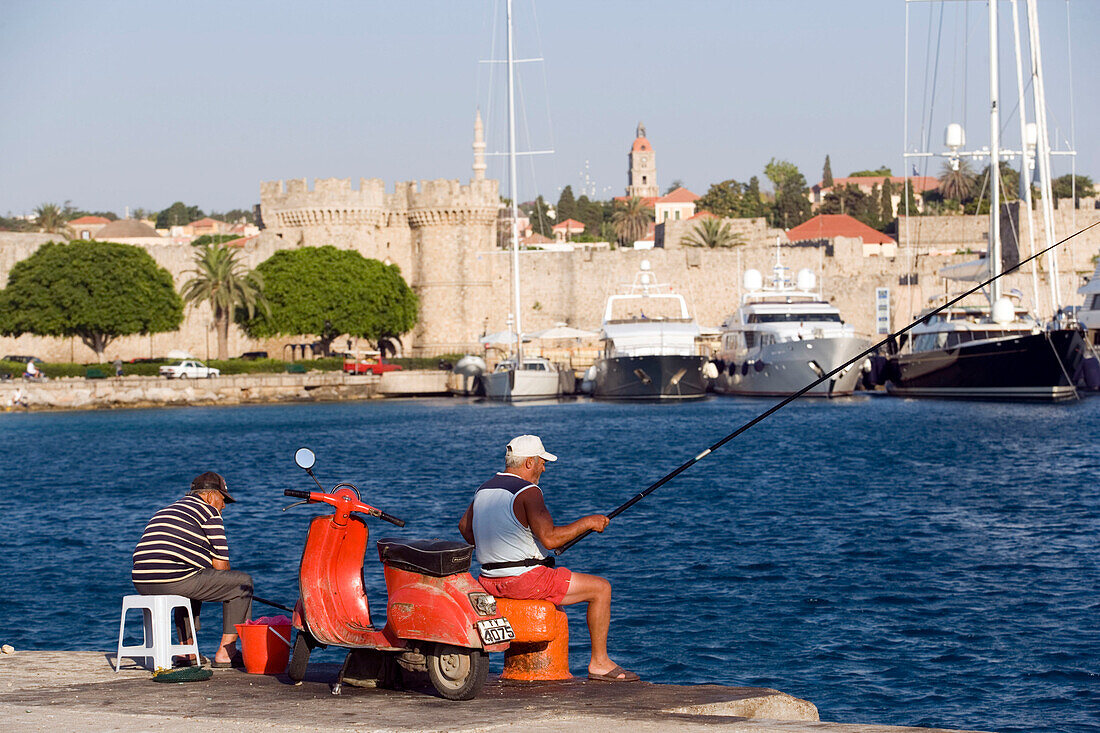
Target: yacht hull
(786, 367)
(521, 385)
(1034, 367)
(665, 377)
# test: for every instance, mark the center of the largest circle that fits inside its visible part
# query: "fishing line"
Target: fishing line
(791, 398)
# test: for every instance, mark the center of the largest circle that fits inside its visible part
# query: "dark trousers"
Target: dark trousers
(232, 587)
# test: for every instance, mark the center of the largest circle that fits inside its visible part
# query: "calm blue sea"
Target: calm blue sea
(904, 562)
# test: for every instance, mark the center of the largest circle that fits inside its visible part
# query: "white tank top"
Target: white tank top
(498, 534)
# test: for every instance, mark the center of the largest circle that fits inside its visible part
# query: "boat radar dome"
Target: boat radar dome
(806, 279)
(1003, 311)
(753, 280)
(955, 136)
(644, 267)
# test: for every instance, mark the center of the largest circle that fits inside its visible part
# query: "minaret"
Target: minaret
(479, 148)
(642, 175)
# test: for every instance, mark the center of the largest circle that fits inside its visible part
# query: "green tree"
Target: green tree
(1010, 182)
(631, 220)
(712, 233)
(590, 213)
(753, 204)
(1062, 187)
(886, 203)
(234, 216)
(882, 172)
(325, 291)
(51, 218)
(827, 174)
(539, 214)
(96, 291)
(567, 205)
(791, 205)
(224, 282)
(957, 184)
(676, 183)
(178, 214)
(213, 239)
(725, 199)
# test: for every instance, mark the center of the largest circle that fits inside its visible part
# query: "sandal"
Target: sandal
(235, 662)
(613, 675)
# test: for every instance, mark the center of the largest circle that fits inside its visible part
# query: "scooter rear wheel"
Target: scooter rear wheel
(457, 673)
(304, 643)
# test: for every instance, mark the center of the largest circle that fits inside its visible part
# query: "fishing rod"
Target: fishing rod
(272, 604)
(794, 396)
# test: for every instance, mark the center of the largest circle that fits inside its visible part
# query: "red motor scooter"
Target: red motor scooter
(438, 619)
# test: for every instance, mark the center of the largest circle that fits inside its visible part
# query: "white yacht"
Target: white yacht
(650, 350)
(539, 379)
(785, 336)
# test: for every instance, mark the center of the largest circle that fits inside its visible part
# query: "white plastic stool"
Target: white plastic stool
(157, 616)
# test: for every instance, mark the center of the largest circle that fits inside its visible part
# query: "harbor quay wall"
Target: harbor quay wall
(77, 393)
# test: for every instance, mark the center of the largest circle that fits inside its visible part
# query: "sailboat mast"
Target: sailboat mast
(513, 190)
(994, 158)
(1024, 194)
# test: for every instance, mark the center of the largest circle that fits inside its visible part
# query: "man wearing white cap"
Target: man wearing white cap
(509, 525)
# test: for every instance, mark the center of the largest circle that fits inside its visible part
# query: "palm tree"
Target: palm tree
(51, 219)
(631, 220)
(712, 233)
(957, 184)
(224, 282)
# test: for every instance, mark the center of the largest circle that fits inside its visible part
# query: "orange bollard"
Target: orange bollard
(540, 650)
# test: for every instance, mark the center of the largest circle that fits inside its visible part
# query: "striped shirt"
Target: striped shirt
(179, 541)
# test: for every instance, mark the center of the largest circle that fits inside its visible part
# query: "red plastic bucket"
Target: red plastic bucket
(265, 648)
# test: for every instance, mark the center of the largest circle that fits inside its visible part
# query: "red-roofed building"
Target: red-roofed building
(86, 227)
(678, 204)
(833, 226)
(705, 215)
(564, 231)
(919, 184)
(208, 226)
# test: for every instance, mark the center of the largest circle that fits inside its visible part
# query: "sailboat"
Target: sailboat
(518, 377)
(996, 349)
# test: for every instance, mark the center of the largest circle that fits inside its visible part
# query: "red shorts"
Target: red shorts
(539, 583)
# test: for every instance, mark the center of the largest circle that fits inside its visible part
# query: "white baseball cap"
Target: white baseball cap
(526, 446)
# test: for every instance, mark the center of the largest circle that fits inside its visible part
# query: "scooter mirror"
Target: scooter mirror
(304, 458)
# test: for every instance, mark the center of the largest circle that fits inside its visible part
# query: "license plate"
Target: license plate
(495, 631)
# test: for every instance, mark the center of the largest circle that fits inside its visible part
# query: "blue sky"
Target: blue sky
(115, 104)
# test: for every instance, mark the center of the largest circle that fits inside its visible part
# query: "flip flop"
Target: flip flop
(235, 662)
(613, 676)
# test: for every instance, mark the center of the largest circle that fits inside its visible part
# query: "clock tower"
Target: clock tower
(642, 177)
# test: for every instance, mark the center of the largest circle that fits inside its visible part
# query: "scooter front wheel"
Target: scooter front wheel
(457, 673)
(304, 643)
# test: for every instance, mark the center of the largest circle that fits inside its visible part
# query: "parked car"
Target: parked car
(189, 369)
(22, 359)
(253, 355)
(369, 365)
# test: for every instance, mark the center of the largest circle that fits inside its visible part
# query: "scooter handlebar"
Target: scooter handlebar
(391, 520)
(296, 493)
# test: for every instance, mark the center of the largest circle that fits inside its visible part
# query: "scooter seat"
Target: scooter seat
(437, 558)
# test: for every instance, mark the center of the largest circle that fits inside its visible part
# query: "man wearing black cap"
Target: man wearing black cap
(183, 552)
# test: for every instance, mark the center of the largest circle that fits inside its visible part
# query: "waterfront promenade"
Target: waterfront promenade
(41, 690)
(76, 393)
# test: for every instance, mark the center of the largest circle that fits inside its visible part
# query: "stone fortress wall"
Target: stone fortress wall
(442, 234)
